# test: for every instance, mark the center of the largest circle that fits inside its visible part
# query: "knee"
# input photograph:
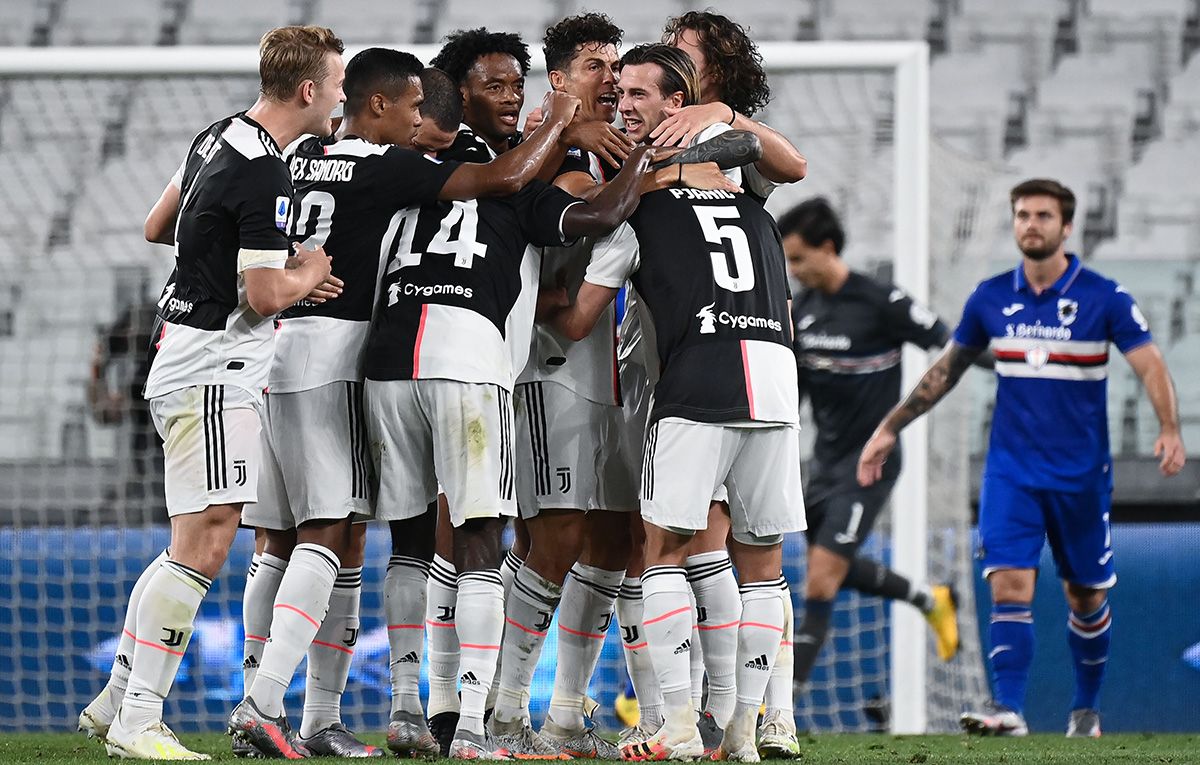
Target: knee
(1085, 600)
(1011, 587)
(477, 544)
(821, 586)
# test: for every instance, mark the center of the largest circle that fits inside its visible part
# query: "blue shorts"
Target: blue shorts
(1015, 522)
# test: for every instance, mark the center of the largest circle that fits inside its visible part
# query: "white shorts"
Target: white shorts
(685, 462)
(211, 446)
(315, 459)
(426, 432)
(563, 454)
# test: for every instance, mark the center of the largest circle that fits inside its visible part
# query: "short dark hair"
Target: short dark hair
(563, 40)
(378, 70)
(443, 103)
(731, 57)
(814, 221)
(463, 47)
(678, 69)
(1045, 187)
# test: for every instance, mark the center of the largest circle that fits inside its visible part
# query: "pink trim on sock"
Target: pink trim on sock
(523, 628)
(405, 626)
(667, 615)
(764, 626)
(311, 620)
(592, 635)
(635, 647)
(159, 647)
(335, 647)
(479, 647)
(718, 626)
(256, 638)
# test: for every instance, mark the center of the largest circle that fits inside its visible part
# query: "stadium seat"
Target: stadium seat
(232, 22)
(129, 22)
(17, 21)
(172, 116)
(529, 18)
(870, 20)
(972, 97)
(369, 22)
(1176, 10)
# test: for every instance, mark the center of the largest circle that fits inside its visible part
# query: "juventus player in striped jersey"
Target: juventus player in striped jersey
(351, 197)
(726, 325)
(210, 361)
(566, 405)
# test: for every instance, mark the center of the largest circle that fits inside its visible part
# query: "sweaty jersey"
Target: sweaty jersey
(708, 267)
(1050, 424)
(351, 197)
(452, 282)
(848, 347)
(235, 197)
(588, 366)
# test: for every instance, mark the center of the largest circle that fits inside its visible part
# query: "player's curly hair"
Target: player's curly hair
(562, 41)
(732, 58)
(464, 46)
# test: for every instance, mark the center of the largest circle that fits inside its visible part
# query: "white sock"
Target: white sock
(718, 609)
(758, 639)
(105, 706)
(258, 603)
(508, 571)
(404, 592)
(583, 620)
(527, 612)
(440, 629)
(637, 653)
(696, 656)
(480, 594)
(166, 613)
(779, 688)
(331, 653)
(667, 618)
(300, 607)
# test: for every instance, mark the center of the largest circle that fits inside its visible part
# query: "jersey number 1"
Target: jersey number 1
(742, 280)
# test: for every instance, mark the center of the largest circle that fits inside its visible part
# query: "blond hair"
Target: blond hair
(287, 56)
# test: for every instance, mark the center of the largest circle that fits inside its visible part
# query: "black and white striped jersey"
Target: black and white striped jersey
(451, 282)
(351, 198)
(709, 271)
(235, 198)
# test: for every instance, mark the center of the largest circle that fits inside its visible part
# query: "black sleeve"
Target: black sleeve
(467, 147)
(540, 207)
(411, 178)
(576, 161)
(910, 322)
(262, 197)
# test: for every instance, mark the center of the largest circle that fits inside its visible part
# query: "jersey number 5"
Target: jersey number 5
(742, 279)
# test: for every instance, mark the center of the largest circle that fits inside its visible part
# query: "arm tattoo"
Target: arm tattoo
(937, 382)
(733, 148)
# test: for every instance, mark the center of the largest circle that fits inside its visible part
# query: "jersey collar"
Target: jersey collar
(1064, 282)
(253, 122)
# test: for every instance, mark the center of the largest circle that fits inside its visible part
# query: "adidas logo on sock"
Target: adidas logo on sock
(758, 663)
(684, 647)
(124, 661)
(409, 658)
(250, 663)
(469, 679)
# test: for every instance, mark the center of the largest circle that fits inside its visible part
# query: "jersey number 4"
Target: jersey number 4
(742, 277)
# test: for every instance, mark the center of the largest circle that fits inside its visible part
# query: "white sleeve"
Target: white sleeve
(614, 258)
(177, 178)
(755, 183)
(712, 131)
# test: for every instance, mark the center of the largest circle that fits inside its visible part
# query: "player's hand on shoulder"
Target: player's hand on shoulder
(559, 107)
(610, 145)
(706, 175)
(1168, 447)
(533, 121)
(874, 455)
(684, 124)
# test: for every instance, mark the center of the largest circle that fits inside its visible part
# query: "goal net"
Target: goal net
(88, 139)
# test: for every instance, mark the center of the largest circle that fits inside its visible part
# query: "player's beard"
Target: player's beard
(1041, 251)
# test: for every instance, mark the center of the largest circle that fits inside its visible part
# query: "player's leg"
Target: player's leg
(441, 631)
(1012, 532)
(273, 548)
(829, 555)
(718, 606)
(630, 617)
(479, 486)
(872, 577)
(764, 486)
(319, 439)
(212, 455)
(777, 729)
(405, 593)
(683, 464)
(591, 589)
(1081, 540)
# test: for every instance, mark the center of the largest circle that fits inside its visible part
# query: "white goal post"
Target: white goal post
(908, 61)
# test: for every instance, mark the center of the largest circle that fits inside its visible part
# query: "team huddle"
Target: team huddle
(410, 317)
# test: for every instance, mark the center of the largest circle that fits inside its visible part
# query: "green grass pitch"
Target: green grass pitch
(47, 748)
